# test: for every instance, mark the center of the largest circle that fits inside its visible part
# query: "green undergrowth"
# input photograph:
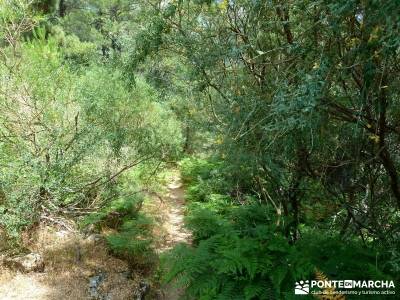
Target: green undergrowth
(131, 236)
(240, 250)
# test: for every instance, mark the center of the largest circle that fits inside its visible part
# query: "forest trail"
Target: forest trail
(173, 223)
(168, 212)
(73, 262)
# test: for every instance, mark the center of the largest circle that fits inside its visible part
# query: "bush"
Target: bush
(76, 52)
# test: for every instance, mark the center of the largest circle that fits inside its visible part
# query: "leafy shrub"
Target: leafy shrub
(193, 169)
(339, 258)
(204, 223)
(133, 242)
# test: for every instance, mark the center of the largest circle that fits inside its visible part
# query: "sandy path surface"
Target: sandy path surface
(174, 227)
(168, 211)
(173, 223)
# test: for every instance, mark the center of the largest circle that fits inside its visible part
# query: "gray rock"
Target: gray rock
(94, 283)
(94, 238)
(32, 262)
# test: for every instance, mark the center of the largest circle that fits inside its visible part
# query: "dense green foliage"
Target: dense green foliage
(70, 126)
(287, 114)
(240, 251)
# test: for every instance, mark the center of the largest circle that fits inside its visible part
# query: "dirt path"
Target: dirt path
(168, 211)
(174, 227)
(173, 224)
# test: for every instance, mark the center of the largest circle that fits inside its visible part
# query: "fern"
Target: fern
(231, 263)
(329, 292)
(134, 243)
(240, 253)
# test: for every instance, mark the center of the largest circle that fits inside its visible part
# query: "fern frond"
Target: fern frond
(329, 292)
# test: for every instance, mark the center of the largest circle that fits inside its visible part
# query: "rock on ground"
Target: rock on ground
(32, 262)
